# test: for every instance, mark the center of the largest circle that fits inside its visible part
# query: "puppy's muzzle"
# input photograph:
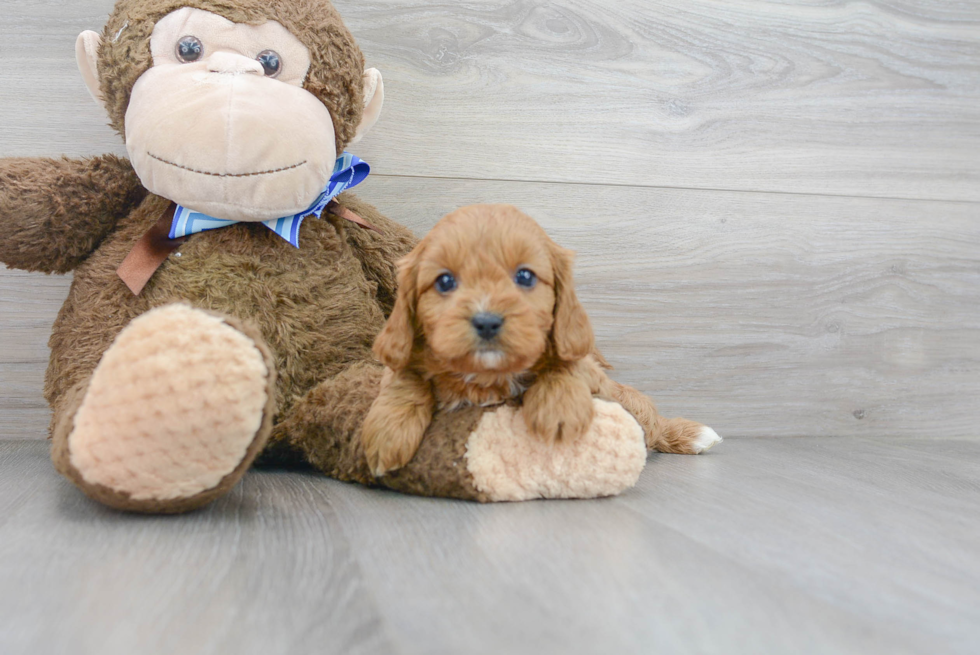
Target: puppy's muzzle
(487, 325)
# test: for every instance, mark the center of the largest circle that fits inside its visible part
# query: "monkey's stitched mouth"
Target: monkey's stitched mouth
(194, 170)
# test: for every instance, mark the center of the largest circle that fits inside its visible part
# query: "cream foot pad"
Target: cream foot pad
(172, 408)
(507, 463)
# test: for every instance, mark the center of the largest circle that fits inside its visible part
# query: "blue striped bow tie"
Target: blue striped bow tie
(349, 172)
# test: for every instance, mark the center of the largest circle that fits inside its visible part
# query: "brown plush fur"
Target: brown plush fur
(436, 358)
(336, 68)
(54, 212)
(318, 309)
(313, 311)
(316, 306)
(325, 426)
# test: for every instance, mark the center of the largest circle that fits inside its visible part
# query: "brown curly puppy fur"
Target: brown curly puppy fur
(486, 314)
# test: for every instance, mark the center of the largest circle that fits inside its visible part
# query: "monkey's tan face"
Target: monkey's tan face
(221, 123)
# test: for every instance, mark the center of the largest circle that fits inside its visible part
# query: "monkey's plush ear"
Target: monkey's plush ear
(393, 346)
(87, 57)
(374, 99)
(572, 332)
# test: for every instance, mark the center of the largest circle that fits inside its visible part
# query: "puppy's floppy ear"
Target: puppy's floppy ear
(393, 346)
(572, 331)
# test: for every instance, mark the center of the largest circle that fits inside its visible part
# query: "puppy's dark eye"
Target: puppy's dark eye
(446, 283)
(526, 278)
(189, 49)
(271, 63)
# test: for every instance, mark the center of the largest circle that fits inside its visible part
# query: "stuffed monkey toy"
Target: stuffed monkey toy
(227, 290)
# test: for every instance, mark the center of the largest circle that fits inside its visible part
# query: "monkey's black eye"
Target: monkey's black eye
(271, 62)
(526, 278)
(189, 49)
(446, 283)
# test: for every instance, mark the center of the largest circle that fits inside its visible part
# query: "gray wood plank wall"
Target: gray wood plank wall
(776, 205)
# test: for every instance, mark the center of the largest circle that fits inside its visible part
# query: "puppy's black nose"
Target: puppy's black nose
(487, 325)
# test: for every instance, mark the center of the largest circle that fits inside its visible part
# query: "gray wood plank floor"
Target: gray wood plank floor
(808, 545)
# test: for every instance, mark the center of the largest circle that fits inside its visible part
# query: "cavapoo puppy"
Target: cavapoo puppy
(486, 313)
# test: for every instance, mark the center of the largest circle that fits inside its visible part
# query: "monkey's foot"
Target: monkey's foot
(174, 414)
(506, 463)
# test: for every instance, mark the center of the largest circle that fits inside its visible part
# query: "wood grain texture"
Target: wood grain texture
(762, 546)
(29, 304)
(874, 98)
(48, 110)
(758, 314)
(248, 575)
(894, 518)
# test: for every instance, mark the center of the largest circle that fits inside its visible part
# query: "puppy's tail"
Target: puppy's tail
(678, 435)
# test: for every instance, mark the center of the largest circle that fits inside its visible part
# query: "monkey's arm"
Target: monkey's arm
(54, 212)
(378, 252)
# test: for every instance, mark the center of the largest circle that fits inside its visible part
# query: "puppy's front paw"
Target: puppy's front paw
(558, 407)
(390, 438)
